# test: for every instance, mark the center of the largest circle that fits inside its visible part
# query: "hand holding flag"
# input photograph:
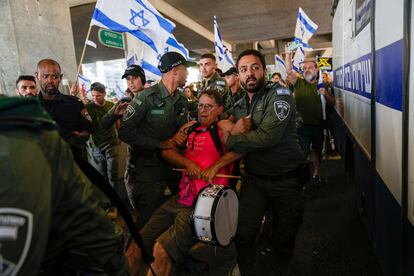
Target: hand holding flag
(305, 28)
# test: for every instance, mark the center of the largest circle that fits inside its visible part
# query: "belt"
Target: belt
(291, 174)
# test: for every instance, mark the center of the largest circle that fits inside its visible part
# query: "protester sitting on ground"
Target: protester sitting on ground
(202, 161)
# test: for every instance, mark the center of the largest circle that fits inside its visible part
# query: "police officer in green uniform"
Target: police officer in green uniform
(212, 79)
(148, 125)
(272, 160)
(104, 145)
(50, 219)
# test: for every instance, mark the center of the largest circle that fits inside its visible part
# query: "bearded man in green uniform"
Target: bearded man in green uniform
(148, 125)
(51, 222)
(272, 158)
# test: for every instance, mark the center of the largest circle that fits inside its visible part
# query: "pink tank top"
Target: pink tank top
(201, 150)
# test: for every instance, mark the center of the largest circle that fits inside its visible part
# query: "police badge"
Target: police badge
(282, 109)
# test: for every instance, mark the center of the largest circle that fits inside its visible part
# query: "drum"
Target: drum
(215, 215)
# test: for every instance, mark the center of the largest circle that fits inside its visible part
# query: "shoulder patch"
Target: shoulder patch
(129, 112)
(282, 109)
(85, 114)
(16, 229)
(283, 92)
(137, 101)
(221, 82)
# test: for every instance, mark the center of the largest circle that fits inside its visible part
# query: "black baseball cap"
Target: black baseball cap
(97, 86)
(231, 71)
(135, 70)
(173, 59)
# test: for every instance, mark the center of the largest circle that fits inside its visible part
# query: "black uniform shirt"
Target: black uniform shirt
(69, 113)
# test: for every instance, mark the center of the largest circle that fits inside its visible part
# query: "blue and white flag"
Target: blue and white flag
(172, 45)
(149, 60)
(298, 60)
(225, 60)
(119, 93)
(305, 28)
(137, 17)
(280, 67)
(84, 83)
(323, 100)
(132, 60)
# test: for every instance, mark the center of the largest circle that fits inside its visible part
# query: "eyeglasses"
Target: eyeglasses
(206, 107)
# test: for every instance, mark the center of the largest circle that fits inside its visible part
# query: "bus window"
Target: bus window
(362, 14)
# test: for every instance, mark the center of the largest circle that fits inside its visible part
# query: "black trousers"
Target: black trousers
(286, 200)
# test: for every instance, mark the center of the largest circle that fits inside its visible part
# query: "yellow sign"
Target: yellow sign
(325, 63)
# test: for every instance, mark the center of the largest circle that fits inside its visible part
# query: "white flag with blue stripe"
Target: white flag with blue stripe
(305, 28)
(149, 60)
(298, 60)
(323, 100)
(225, 60)
(280, 66)
(137, 17)
(84, 83)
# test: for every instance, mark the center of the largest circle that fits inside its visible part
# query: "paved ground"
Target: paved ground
(332, 240)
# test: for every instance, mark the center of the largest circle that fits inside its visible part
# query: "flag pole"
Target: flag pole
(83, 52)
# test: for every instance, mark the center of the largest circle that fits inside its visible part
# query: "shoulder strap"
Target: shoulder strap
(96, 178)
(192, 128)
(216, 138)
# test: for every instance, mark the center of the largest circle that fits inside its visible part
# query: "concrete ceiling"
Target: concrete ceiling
(241, 22)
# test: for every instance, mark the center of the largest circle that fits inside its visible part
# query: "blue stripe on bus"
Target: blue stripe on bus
(356, 75)
(389, 75)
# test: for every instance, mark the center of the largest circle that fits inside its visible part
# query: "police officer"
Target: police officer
(135, 78)
(49, 214)
(211, 78)
(149, 123)
(272, 159)
(71, 116)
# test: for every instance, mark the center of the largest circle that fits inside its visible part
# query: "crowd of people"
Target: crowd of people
(235, 117)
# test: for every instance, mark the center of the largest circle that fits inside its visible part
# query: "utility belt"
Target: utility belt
(148, 158)
(302, 172)
(147, 154)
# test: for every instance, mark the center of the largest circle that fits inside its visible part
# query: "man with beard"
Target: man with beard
(272, 158)
(26, 86)
(149, 123)
(309, 106)
(72, 118)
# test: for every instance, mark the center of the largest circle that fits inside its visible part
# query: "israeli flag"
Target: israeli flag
(132, 60)
(298, 60)
(137, 17)
(172, 45)
(305, 28)
(149, 60)
(323, 100)
(225, 60)
(119, 93)
(280, 66)
(84, 83)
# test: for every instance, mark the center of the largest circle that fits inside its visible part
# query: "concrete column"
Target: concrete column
(31, 31)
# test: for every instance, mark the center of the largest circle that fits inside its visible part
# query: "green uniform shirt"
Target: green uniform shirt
(47, 205)
(308, 102)
(153, 116)
(271, 146)
(102, 136)
(216, 83)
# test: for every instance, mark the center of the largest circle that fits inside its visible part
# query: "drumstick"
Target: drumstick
(217, 175)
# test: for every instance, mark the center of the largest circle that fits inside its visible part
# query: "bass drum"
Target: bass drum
(215, 215)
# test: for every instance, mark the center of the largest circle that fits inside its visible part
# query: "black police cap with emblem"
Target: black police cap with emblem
(231, 71)
(172, 59)
(135, 70)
